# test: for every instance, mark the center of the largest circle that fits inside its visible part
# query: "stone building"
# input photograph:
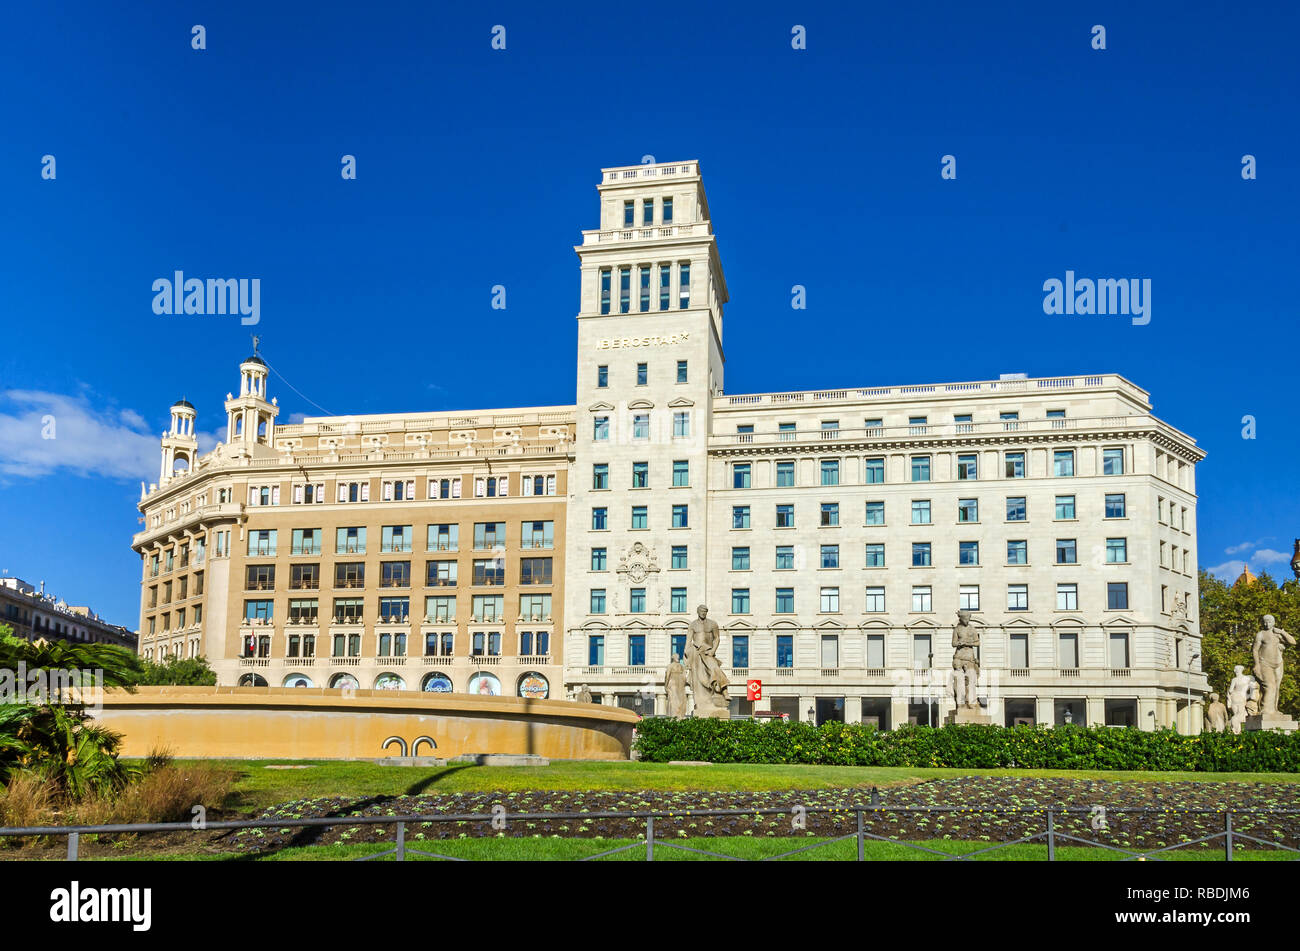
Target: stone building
(834, 534)
(31, 613)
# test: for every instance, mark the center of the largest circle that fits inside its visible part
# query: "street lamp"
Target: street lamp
(1190, 661)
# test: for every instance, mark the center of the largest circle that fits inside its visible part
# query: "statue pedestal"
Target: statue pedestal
(1271, 721)
(964, 715)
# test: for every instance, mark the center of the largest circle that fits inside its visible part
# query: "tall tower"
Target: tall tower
(649, 361)
(179, 444)
(250, 418)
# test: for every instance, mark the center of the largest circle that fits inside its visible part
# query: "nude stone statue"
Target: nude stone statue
(675, 688)
(708, 682)
(1269, 644)
(965, 661)
(1216, 715)
(1239, 692)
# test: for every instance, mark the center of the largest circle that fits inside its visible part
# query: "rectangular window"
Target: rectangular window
(1015, 465)
(636, 601)
(684, 283)
(350, 574)
(665, 285)
(830, 472)
(624, 290)
(1018, 552)
(444, 537)
(681, 516)
(875, 513)
(597, 601)
(830, 600)
(830, 654)
(602, 377)
(1118, 651)
(784, 474)
(1063, 463)
(920, 511)
(629, 214)
(784, 601)
(596, 649)
(600, 429)
(640, 517)
(785, 516)
(875, 603)
(1019, 644)
(740, 651)
(785, 558)
(968, 510)
(1117, 595)
(1067, 552)
(539, 534)
(968, 553)
(875, 556)
(636, 650)
(261, 544)
(605, 280)
(395, 574)
(677, 601)
(306, 541)
(1115, 507)
(739, 600)
(740, 478)
(598, 559)
(667, 211)
(1112, 462)
(642, 374)
(785, 650)
(599, 519)
(830, 514)
(643, 280)
(874, 473)
(1067, 597)
(440, 574)
(535, 570)
(439, 609)
(740, 516)
(1017, 510)
(395, 538)
(1017, 597)
(830, 556)
(488, 535)
(681, 472)
(681, 424)
(1116, 551)
(922, 598)
(920, 554)
(920, 468)
(681, 371)
(740, 559)
(1064, 507)
(968, 597)
(600, 475)
(641, 426)
(967, 467)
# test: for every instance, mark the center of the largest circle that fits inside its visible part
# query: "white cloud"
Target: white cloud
(86, 440)
(1270, 557)
(1239, 549)
(1228, 571)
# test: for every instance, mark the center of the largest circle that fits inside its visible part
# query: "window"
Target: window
(1017, 511)
(599, 560)
(684, 284)
(875, 513)
(1015, 465)
(830, 472)
(489, 535)
(596, 650)
(489, 571)
(1118, 651)
(784, 557)
(395, 538)
(920, 511)
(875, 555)
(643, 280)
(667, 211)
(641, 426)
(740, 516)
(875, 603)
(785, 650)
(740, 651)
(354, 492)
(395, 574)
(968, 553)
(640, 518)
(445, 488)
(1116, 551)
(399, 490)
(642, 374)
(920, 468)
(874, 427)
(261, 543)
(636, 650)
(785, 432)
(257, 610)
(830, 653)
(830, 600)
(1117, 595)
(1064, 507)
(308, 493)
(784, 601)
(968, 597)
(600, 430)
(1067, 551)
(1063, 463)
(600, 475)
(739, 600)
(679, 557)
(599, 519)
(1018, 552)
(681, 516)
(677, 601)
(539, 534)
(922, 598)
(605, 280)
(830, 556)
(624, 289)
(1115, 507)
(597, 601)
(665, 279)
(681, 472)
(740, 475)
(602, 376)
(681, 370)
(443, 537)
(784, 474)
(874, 472)
(681, 424)
(440, 574)
(1067, 597)
(636, 600)
(394, 610)
(967, 467)
(1112, 462)
(1017, 597)
(785, 516)
(830, 514)
(440, 609)
(917, 425)
(301, 577)
(968, 510)
(535, 570)
(920, 554)
(678, 645)
(629, 214)
(740, 559)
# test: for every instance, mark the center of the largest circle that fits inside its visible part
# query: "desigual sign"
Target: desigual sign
(653, 340)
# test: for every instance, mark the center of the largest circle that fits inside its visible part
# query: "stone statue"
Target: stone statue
(965, 661)
(1216, 715)
(1269, 644)
(708, 682)
(1239, 691)
(583, 694)
(675, 688)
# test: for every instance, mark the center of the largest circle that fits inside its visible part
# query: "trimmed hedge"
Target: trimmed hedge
(661, 739)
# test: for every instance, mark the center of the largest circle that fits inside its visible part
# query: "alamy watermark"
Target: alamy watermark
(1105, 296)
(41, 685)
(182, 295)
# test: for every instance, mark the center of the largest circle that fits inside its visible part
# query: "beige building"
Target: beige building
(833, 534)
(32, 614)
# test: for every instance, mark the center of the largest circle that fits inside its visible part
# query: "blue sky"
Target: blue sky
(478, 167)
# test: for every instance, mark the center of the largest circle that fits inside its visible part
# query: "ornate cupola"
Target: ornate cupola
(250, 417)
(180, 444)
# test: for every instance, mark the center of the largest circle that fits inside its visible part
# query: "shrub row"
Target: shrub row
(661, 739)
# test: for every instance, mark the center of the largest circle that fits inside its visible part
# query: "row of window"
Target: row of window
(968, 553)
(484, 608)
(481, 644)
(642, 374)
(403, 490)
(1067, 599)
(641, 426)
(828, 655)
(921, 468)
(397, 574)
(653, 281)
(351, 540)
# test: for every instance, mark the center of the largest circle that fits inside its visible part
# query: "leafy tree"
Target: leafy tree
(192, 671)
(1230, 617)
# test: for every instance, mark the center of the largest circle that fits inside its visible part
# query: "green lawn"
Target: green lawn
(258, 786)
(546, 849)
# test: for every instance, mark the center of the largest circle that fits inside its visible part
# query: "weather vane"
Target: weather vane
(256, 340)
